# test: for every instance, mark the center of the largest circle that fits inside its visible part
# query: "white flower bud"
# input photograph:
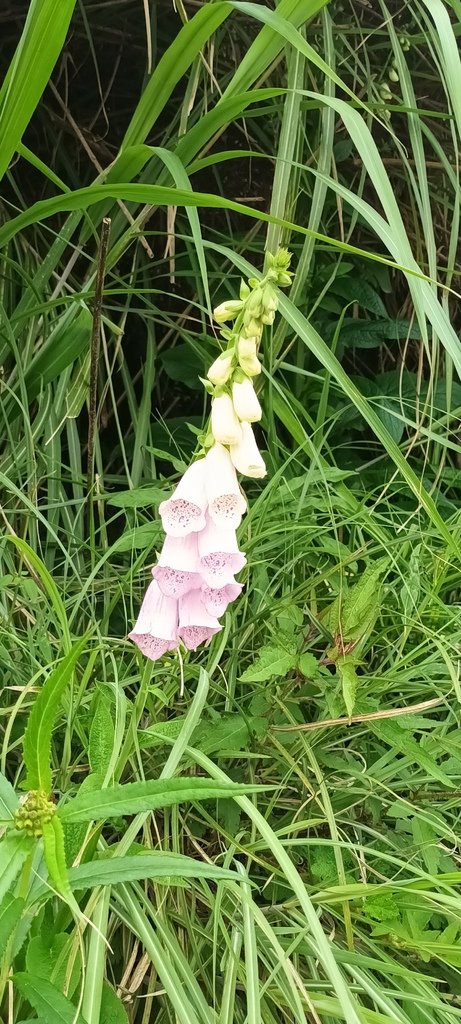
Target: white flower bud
(246, 456)
(225, 426)
(220, 370)
(227, 310)
(247, 357)
(245, 401)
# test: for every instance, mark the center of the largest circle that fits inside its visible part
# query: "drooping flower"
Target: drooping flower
(219, 553)
(220, 370)
(225, 426)
(226, 504)
(216, 599)
(247, 356)
(177, 569)
(184, 512)
(246, 456)
(156, 629)
(196, 625)
(245, 401)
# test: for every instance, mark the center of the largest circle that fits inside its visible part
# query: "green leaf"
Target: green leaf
(41, 41)
(156, 735)
(112, 1010)
(37, 737)
(48, 1002)
(345, 666)
(271, 661)
(401, 742)
(138, 497)
(74, 835)
(11, 909)
(102, 733)
(229, 733)
(8, 799)
(136, 797)
(14, 850)
(42, 955)
(308, 665)
(55, 857)
(113, 870)
(140, 538)
(64, 345)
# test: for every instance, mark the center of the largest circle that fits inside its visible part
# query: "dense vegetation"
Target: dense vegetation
(265, 830)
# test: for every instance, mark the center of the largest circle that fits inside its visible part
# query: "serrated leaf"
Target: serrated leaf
(37, 737)
(346, 668)
(48, 1002)
(113, 870)
(161, 732)
(230, 733)
(74, 835)
(11, 908)
(55, 857)
(270, 662)
(308, 665)
(138, 497)
(8, 799)
(136, 797)
(101, 740)
(14, 850)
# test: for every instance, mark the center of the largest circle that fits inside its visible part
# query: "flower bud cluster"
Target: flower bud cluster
(235, 405)
(35, 812)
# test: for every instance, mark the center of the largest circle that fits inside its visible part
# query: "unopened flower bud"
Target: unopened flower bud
(269, 317)
(245, 401)
(227, 310)
(220, 370)
(225, 426)
(252, 328)
(270, 301)
(247, 357)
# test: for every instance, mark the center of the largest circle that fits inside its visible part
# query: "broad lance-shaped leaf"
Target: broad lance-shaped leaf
(8, 800)
(11, 909)
(48, 1002)
(354, 611)
(345, 667)
(115, 870)
(37, 737)
(136, 797)
(15, 847)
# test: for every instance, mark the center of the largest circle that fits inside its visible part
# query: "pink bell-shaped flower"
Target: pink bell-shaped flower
(216, 599)
(226, 504)
(184, 512)
(196, 625)
(219, 553)
(156, 629)
(177, 570)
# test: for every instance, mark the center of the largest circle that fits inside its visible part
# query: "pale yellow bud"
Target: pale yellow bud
(247, 357)
(227, 310)
(220, 370)
(245, 401)
(225, 426)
